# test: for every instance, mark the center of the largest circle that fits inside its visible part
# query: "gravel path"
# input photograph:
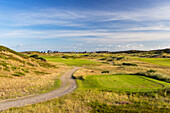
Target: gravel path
(67, 85)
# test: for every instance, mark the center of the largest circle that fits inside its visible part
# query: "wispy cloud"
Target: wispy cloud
(76, 17)
(146, 18)
(87, 35)
(102, 28)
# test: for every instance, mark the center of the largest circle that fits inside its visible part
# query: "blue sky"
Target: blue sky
(85, 25)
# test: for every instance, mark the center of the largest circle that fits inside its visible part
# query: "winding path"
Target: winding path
(67, 85)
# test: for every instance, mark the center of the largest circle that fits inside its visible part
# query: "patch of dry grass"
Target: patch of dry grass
(78, 102)
(29, 84)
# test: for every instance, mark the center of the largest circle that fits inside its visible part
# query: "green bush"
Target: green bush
(129, 64)
(79, 77)
(151, 71)
(64, 56)
(110, 60)
(119, 58)
(105, 62)
(42, 59)
(102, 58)
(34, 56)
(105, 71)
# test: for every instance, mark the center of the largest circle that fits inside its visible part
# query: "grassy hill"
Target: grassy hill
(23, 75)
(13, 63)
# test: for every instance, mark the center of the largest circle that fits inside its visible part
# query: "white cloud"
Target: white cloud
(88, 36)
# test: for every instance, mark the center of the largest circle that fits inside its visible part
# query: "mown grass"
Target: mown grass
(70, 61)
(158, 61)
(128, 83)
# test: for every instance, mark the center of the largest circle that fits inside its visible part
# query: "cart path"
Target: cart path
(68, 84)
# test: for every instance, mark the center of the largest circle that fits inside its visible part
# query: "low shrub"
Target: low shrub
(34, 56)
(102, 58)
(105, 62)
(85, 55)
(65, 57)
(110, 60)
(119, 58)
(129, 64)
(37, 57)
(80, 77)
(42, 59)
(151, 71)
(105, 72)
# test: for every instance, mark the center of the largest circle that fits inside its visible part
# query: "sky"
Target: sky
(85, 25)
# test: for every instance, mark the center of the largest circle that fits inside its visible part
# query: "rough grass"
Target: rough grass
(29, 85)
(35, 80)
(85, 101)
(158, 61)
(130, 83)
(70, 61)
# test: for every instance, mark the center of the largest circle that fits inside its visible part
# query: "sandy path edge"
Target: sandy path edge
(68, 84)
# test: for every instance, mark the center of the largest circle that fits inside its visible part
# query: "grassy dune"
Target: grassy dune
(21, 75)
(158, 61)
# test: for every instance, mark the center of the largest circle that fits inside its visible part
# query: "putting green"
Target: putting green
(131, 83)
